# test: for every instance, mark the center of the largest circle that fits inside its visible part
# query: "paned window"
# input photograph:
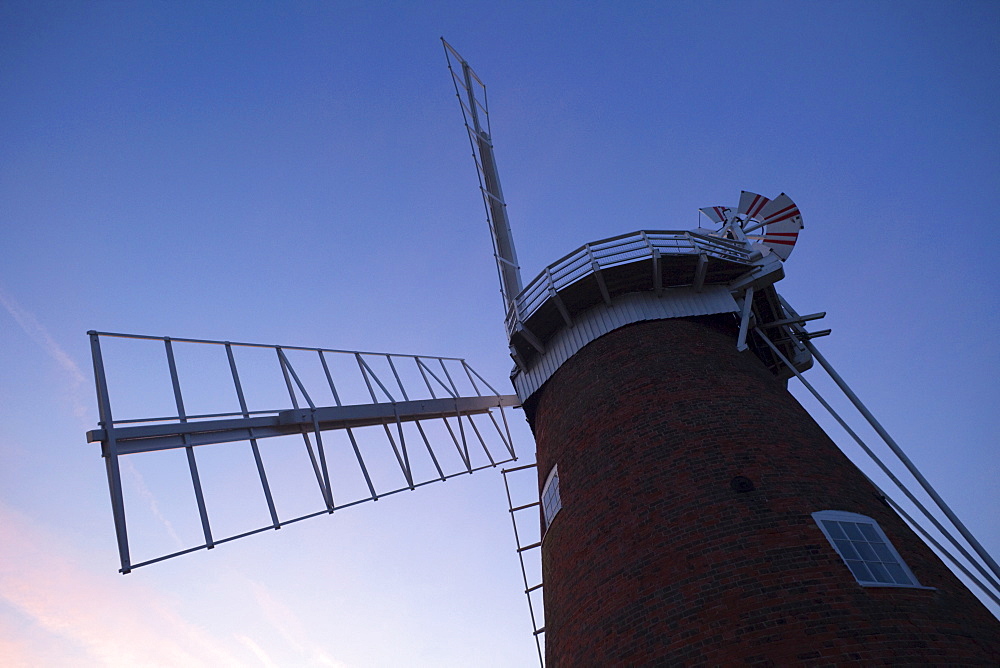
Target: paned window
(551, 503)
(863, 546)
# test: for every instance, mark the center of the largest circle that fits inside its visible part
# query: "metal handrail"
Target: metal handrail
(615, 251)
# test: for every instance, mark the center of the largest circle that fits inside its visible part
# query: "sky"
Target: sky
(297, 173)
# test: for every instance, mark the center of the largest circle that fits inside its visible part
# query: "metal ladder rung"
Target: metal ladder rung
(529, 547)
(531, 589)
(541, 630)
(527, 505)
(519, 468)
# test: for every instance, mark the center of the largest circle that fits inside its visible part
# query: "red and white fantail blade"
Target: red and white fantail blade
(717, 214)
(782, 222)
(751, 204)
(778, 210)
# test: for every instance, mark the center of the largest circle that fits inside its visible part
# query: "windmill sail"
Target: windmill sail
(398, 422)
(471, 93)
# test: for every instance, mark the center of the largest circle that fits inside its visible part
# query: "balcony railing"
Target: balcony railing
(622, 249)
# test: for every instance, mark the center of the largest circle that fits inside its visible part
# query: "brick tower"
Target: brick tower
(693, 512)
(688, 477)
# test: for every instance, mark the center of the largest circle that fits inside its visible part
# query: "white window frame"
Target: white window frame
(551, 500)
(855, 560)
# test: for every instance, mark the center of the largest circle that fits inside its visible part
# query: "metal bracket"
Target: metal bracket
(747, 307)
(699, 273)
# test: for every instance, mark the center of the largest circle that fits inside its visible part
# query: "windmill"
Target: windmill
(691, 510)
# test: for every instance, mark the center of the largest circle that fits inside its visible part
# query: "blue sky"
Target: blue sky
(297, 173)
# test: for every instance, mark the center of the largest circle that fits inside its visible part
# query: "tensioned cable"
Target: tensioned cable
(910, 466)
(940, 548)
(885, 469)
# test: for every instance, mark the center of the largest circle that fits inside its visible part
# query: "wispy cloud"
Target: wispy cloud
(138, 483)
(40, 335)
(290, 628)
(103, 619)
(15, 654)
(257, 651)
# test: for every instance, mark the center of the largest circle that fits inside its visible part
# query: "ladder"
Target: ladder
(531, 591)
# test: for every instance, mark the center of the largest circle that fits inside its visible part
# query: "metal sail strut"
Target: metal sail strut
(150, 438)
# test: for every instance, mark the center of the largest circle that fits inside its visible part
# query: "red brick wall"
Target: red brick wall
(654, 559)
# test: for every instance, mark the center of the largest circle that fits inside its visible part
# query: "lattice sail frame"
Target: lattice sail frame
(402, 390)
